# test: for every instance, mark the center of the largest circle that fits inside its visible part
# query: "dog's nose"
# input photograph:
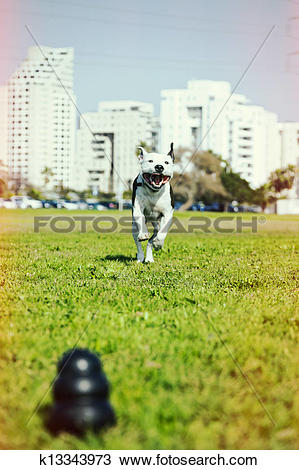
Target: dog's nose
(159, 168)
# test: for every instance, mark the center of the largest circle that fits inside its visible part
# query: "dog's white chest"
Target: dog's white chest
(154, 204)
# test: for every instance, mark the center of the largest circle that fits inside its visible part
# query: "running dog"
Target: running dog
(152, 201)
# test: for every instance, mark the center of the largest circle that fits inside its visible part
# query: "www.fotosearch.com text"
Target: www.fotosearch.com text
(123, 224)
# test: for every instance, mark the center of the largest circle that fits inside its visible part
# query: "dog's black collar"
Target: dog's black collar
(139, 184)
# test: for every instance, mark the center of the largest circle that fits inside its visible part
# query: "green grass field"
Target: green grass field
(163, 332)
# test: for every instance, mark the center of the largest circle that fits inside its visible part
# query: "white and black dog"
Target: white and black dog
(152, 201)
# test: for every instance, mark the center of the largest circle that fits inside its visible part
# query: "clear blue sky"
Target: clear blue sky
(132, 49)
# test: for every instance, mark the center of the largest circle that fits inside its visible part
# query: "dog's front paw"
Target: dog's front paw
(158, 243)
(143, 236)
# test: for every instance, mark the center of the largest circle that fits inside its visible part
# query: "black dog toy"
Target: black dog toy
(81, 394)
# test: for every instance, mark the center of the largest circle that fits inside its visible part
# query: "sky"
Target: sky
(132, 50)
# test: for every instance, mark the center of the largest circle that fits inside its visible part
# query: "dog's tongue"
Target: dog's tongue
(157, 179)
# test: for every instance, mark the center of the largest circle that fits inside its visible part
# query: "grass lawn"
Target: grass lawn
(162, 331)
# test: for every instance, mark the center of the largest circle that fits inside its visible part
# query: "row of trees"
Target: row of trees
(18, 186)
(204, 176)
(209, 178)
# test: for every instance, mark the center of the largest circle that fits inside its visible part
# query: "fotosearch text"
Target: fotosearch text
(123, 224)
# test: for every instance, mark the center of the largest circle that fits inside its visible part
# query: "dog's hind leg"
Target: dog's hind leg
(162, 229)
(140, 254)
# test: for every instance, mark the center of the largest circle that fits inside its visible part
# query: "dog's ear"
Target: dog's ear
(142, 153)
(171, 151)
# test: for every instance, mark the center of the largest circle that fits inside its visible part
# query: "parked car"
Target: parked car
(96, 206)
(70, 205)
(109, 204)
(82, 205)
(9, 204)
(233, 208)
(20, 202)
(177, 205)
(214, 207)
(34, 203)
(240, 208)
(49, 204)
(92, 206)
(25, 202)
(254, 208)
(127, 205)
(197, 206)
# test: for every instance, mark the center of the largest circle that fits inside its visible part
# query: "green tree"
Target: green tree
(31, 191)
(86, 194)
(281, 179)
(260, 196)
(106, 196)
(238, 188)
(47, 172)
(127, 194)
(144, 145)
(184, 188)
(202, 182)
(63, 191)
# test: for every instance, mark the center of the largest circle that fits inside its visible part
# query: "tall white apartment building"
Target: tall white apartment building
(288, 143)
(125, 124)
(186, 115)
(93, 167)
(42, 118)
(242, 134)
(156, 129)
(3, 124)
(252, 140)
(288, 133)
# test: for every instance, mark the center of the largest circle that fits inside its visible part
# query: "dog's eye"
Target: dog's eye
(167, 163)
(150, 161)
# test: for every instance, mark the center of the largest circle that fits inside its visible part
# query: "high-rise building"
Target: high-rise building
(3, 124)
(252, 140)
(205, 116)
(93, 168)
(187, 114)
(289, 152)
(156, 128)
(288, 143)
(125, 124)
(42, 118)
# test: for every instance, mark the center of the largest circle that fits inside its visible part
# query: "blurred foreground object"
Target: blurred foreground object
(81, 395)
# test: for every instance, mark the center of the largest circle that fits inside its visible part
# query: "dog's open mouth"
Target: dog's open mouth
(155, 180)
